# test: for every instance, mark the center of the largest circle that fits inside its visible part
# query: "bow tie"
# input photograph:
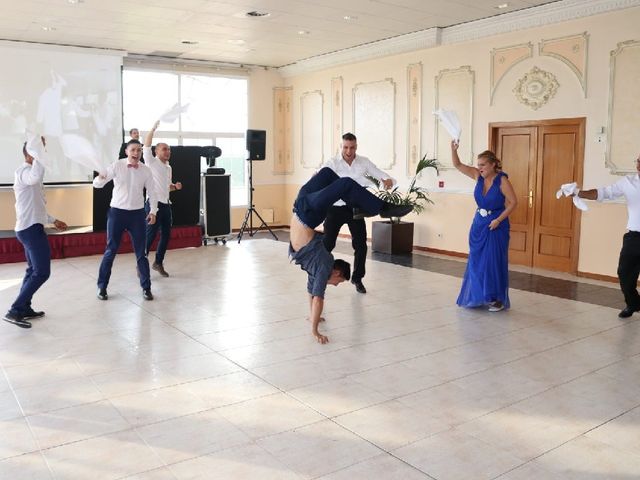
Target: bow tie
(132, 165)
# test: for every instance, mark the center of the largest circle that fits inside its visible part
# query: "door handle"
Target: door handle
(530, 198)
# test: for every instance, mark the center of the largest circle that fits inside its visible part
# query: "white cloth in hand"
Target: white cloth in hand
(571, 189)
(173, 113)
(36, 149)
(450, 122)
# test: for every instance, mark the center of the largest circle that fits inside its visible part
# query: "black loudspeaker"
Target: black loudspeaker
(216, 202)
(256, 144)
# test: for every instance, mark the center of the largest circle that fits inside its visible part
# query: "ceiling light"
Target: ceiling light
(236, 41)
(349, 18)
(46, 28)
(255, 13)
(502, 6)
(75, 2)
(303, 32)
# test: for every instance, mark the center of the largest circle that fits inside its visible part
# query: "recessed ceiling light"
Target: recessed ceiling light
(255, 13)
(75, 2)
(303, 32)
(47, 28)
(348, 18)
(189, 42)
(236, 41)
(502, 6)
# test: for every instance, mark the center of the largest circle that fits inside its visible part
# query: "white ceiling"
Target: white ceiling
(223, 31)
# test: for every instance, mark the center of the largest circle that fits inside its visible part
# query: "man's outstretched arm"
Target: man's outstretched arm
(317, 304)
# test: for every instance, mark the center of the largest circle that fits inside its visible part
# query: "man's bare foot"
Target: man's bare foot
(321, 338)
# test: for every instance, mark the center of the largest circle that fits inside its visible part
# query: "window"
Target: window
(216, 115)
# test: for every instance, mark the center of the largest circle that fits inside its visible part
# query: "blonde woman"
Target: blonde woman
(486, 279)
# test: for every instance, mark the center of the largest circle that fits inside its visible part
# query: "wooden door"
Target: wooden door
(517, 147)
(557, 222)
(539, 157)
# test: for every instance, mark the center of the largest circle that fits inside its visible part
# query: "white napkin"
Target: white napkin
(36, 149)
(79, 150)
(173, 113)
(568, 189)
(450, 122)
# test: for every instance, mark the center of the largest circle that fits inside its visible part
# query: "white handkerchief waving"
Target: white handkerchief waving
(450, 122)
(36, 148)
(571, 189)
(174, 112)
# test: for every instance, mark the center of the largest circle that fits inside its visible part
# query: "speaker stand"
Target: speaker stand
(248, 217)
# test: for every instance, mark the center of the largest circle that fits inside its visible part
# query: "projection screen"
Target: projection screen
(71, 96)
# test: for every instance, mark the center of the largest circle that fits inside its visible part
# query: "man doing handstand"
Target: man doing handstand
(306, 247)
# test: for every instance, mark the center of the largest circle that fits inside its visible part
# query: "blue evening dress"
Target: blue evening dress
(486, 278)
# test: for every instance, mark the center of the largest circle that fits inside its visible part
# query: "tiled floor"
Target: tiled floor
(219, 377)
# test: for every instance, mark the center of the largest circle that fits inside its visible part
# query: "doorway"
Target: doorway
(539, 156)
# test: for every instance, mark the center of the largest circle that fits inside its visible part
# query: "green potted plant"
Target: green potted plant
(395, 236)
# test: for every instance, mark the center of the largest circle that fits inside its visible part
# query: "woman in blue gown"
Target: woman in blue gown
(486, 279)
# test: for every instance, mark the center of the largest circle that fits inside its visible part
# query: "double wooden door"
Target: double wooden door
(539, 157)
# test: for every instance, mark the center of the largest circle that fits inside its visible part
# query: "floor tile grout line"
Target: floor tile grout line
(568, 441)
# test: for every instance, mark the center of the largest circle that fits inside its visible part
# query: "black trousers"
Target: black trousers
(629, 268)
(336, 218)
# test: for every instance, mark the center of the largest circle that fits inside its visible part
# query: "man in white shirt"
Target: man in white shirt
(348, 164)
(130, 178)
(162, 175)
(31, 216)
(629, 261)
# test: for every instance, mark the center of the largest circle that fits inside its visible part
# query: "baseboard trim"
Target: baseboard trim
(449, 253)
(597, 276)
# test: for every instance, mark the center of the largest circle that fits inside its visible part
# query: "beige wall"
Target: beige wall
(445, 225)
(73, 205)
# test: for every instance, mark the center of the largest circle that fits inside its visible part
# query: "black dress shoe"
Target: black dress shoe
(31, 313)
(102, 294)
(359, 286)
(627, 312)
(146, 294)
(17, 319)
(389, 210)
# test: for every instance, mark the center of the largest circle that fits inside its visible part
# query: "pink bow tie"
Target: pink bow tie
(132, 165)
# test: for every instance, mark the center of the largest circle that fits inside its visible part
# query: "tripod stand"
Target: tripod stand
(248, 217)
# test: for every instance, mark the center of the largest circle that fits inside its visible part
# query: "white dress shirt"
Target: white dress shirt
(29, 193)
(629, 187)
(128, 183)
(161, 174)
(359, 168)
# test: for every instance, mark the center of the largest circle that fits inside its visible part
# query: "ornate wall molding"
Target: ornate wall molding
(624, 120)
(311, 129)
(572, 51)
(282, 121)
(374, 113)
(536, 88)
(533, 17)
(336, 114)
(414, 113)
(504, 59)
(454, 90)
